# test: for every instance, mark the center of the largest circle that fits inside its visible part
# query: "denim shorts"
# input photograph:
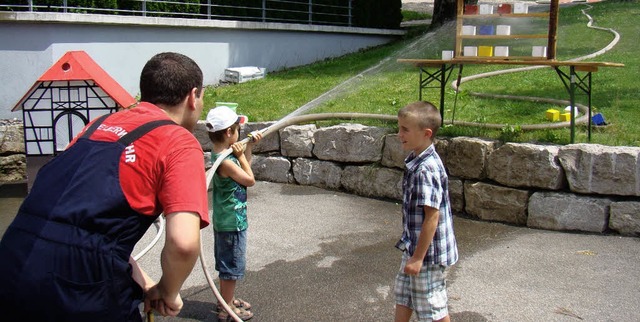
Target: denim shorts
(426, 294)
(230, 254)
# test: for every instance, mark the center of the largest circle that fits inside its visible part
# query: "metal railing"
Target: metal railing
(312, 12)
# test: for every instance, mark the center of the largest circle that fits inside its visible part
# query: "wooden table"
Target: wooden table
(441, 71)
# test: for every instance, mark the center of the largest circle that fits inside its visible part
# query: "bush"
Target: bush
(377, 13)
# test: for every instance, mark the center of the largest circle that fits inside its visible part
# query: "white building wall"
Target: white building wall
(31, 42)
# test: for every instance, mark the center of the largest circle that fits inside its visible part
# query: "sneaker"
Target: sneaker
(224, 316)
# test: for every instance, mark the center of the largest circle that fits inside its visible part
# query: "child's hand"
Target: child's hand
(255, 137)
(413, 266)
(238, 149)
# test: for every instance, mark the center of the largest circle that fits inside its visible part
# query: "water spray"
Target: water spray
(295, 118)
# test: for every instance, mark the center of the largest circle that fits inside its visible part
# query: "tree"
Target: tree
(445, 10)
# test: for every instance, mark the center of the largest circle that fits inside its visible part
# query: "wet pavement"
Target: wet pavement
(318, 255)
(11, 196)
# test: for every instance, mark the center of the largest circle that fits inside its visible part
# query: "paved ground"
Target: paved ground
(318, 255)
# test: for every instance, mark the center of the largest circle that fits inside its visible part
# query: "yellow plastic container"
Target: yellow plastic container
(230, 105)
(553, 115)
(565, 117)
(485, 51)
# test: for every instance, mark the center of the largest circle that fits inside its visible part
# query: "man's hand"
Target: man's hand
(166, 306)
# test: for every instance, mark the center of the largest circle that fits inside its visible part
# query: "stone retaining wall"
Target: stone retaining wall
(13, 163)
(577, 187)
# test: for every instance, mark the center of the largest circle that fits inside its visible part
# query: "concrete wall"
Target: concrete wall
(31, 42)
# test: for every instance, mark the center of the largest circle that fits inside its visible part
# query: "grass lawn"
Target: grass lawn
(615, 91)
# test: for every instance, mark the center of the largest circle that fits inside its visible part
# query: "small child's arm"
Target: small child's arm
(429, 225)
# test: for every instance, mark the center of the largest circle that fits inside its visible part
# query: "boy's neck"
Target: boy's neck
(221, 146)
(424, 146)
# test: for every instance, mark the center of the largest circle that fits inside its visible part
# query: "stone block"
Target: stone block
(456, 195)
(270, 143)
(11, 139)
(467, 157)
(496, 203)
(442, 144)
(526, 165)
(370, 181)
(566, 211)
(392, 154)
(13, 168)
(323, 174)
(625, 217)
(297, 140)
(599, 169)
(349, 143)
(272, 169)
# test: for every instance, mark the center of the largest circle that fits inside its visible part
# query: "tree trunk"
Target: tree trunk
(444, 11)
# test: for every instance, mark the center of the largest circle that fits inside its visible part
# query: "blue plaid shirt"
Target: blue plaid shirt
(425, 183)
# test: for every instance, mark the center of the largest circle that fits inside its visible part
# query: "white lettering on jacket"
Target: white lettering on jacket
(129, 154)
(120, 132)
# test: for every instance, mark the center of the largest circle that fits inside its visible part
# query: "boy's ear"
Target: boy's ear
(428, 133)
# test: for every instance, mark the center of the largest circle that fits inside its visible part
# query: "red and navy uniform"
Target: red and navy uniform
(65, 255)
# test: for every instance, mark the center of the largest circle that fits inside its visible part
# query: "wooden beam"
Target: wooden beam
(553, 29)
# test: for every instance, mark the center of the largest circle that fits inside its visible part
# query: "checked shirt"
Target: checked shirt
(425, 183)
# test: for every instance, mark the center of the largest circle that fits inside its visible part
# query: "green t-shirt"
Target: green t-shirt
(229, 202)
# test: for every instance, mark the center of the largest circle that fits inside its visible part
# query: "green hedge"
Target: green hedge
(162, 9)
(377, 13)
(365, 13)
(77, 6)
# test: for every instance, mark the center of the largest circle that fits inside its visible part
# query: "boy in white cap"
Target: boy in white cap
(230, 183)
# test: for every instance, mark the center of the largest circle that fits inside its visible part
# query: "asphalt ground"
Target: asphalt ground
(319, 255)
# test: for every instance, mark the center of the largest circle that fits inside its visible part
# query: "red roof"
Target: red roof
(78, 65)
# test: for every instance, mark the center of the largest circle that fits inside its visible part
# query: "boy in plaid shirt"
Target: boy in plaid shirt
(428, 242)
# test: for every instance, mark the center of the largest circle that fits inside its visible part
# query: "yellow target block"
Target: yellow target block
(553, 115)
(565, 117)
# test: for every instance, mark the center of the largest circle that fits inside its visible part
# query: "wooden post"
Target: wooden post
(553, 29)
(460, 12)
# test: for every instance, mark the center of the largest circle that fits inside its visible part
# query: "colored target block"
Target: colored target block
(486, 9)
(539, 51)
(469, 30)
(486, 30)
(504, 8)
(553, 115)
(503, 30)
(520, 7)
(485, 51)
(469, 51)
(501, 51)
(565, 117)
(470, 9)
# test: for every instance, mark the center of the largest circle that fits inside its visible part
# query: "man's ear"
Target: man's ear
(192, 98)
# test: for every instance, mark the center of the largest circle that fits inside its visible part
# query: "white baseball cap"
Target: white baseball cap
(222, 117)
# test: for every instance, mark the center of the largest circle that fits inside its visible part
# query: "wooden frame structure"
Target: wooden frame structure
(576, 75)
(552, 17)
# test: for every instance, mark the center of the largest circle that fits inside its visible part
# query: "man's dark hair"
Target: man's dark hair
(167, 78)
